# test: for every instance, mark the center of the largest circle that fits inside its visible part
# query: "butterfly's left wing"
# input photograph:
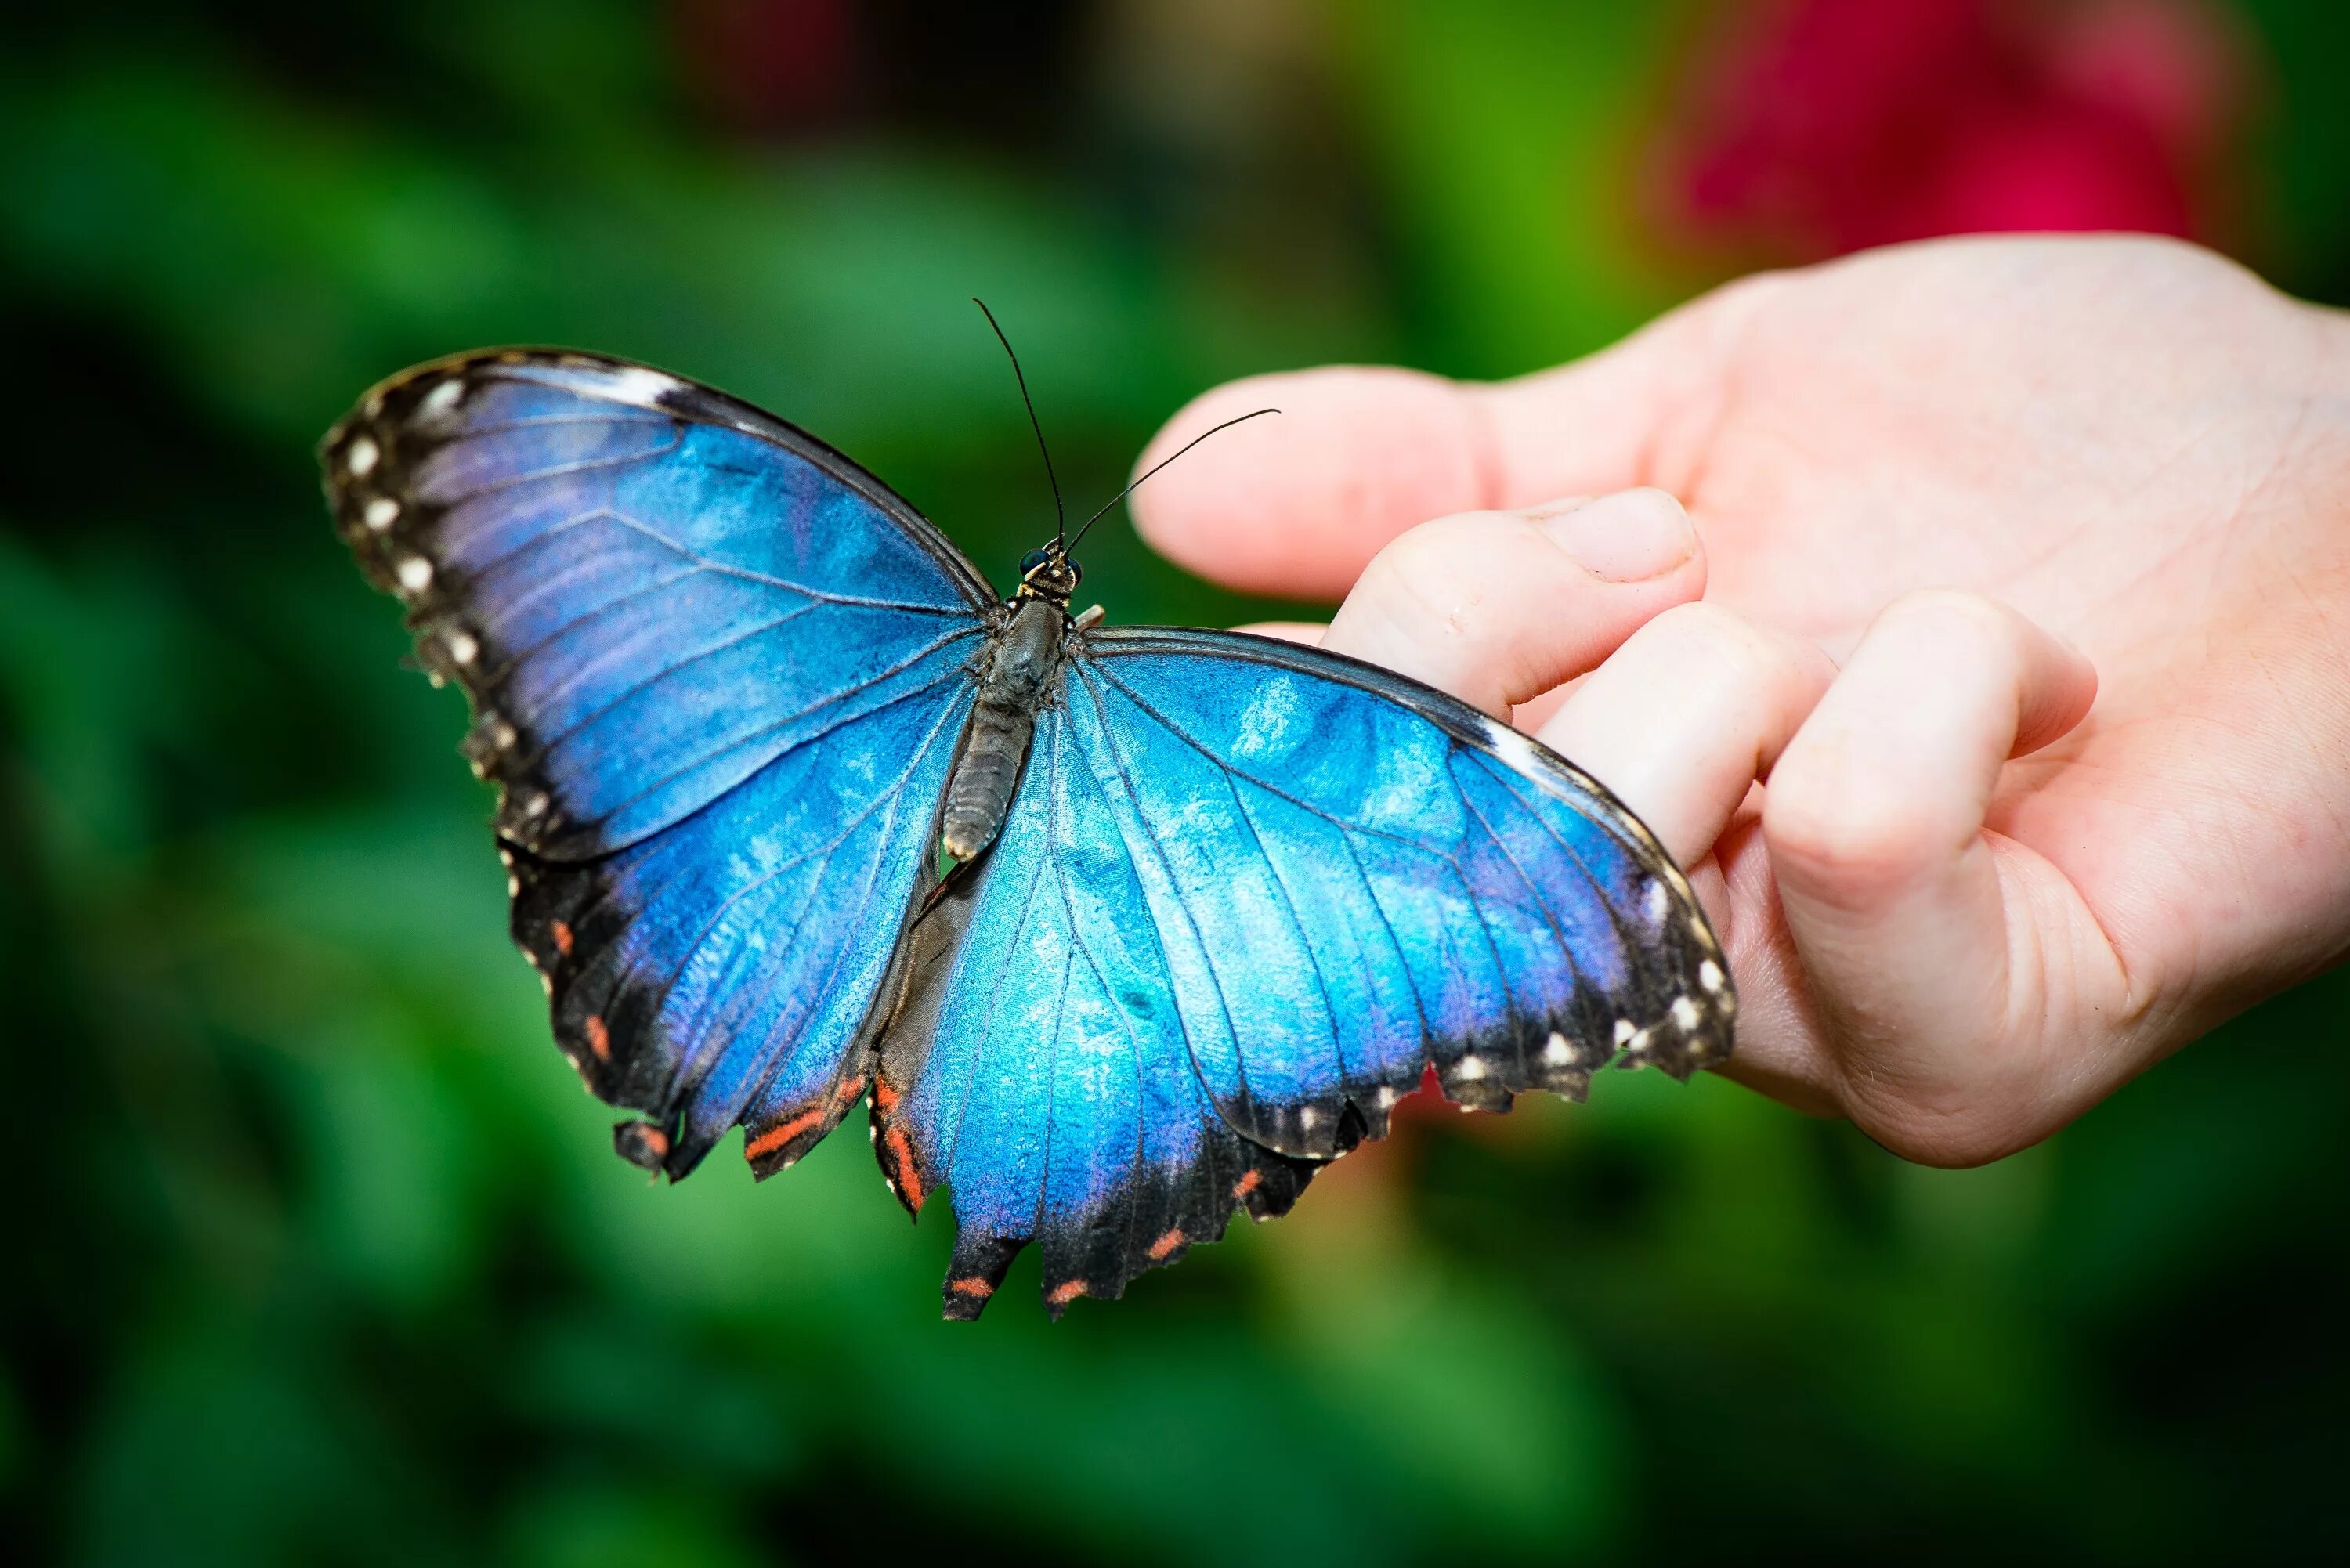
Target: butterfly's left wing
(1248, 894)
(718, 673)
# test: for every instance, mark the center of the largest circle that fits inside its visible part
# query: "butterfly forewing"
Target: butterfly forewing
(717, 674)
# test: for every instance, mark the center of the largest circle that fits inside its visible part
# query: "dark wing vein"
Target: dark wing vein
(830, 700)
(893, 793)
(994, 1010)
(496, 680)
(540, 540)
(1344, 826)
(1133, 1043)
(1289, 908)
(627, 652)
(1183, 905)
(581, 465)
(1634, 953)
(748, 576)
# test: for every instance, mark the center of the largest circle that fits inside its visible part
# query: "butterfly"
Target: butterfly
(1115, 929)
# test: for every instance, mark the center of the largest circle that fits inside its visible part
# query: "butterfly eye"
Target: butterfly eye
(1033, 560)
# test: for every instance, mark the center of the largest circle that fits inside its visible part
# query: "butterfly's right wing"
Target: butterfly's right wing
(1247, 894)
(718, 673)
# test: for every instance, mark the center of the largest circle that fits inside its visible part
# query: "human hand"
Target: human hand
(1994, 480)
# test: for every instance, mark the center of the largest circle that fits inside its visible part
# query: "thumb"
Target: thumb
(1298, 505)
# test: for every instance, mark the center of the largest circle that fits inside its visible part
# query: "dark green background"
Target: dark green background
(322, 1258)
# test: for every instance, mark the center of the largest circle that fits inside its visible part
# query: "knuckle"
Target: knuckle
(1427, 574)
(1845, 830)
(1739, 647)
(1953, 615)
(1773, 672)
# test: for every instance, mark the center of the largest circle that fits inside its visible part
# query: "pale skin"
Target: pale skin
(1971, 618)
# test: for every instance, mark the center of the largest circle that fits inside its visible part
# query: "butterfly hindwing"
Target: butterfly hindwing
(717, 674)
(1039, 1068)
(1247, 894)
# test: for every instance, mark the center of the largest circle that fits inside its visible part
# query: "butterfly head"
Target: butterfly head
(1049, 573)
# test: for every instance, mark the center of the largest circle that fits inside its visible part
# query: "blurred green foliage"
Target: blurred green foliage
(326, 1261)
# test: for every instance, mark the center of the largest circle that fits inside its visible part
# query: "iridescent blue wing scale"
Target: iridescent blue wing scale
(1247, 894)
(717, 674)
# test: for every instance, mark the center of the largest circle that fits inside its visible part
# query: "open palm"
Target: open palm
(1939, 500)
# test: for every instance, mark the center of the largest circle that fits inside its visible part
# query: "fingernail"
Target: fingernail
(1627, 537)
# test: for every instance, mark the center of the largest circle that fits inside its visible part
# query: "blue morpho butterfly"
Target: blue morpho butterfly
(1116, 927)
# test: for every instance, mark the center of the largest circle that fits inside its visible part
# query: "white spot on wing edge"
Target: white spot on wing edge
(360, 456)
(1556, 1051)
(1685, 1014)
(441, 399)
(415, 574)
(637, 385)
(1709, 975)
(1471, 1068)
(381, 512)
(1514, 749)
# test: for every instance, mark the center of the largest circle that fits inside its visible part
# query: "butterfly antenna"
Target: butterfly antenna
(1060, 515)
(1163, 462)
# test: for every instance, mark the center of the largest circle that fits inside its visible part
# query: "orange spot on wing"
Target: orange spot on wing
(781, 1133)
(599, 1039)
(1063, 1294)
(974, 1287)
(847, 1092)
(885, 1098)
(1247, 1184)
(562, 935)
(901, 1150)
(1167, 1243)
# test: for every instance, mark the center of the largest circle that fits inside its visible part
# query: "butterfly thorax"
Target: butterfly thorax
(1023, 661)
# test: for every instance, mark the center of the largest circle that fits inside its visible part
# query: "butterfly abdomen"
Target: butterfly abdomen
(987, 767)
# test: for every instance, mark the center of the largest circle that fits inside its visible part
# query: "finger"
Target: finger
(1309, 632)
(1299, 505)
(1687, 715)
(1874, 822)
(1498, 607)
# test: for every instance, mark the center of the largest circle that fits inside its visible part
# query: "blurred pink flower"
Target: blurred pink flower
(1822, 125)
